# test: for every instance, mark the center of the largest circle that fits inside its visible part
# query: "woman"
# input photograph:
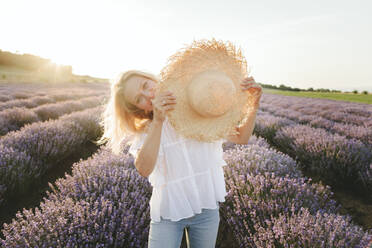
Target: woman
(160, 155)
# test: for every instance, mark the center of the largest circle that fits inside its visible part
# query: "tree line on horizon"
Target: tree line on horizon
(40, 69)
(311, 89)
(32, 63)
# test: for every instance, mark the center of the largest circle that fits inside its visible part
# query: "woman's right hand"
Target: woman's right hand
(162, 102)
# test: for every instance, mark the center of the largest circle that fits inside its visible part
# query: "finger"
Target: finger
(168, 102)
(250, 82)
(163, 102)
(257, 87)
(251, 89)
(253, 86)
(247, 84)
(169, 107)
(169, 97)
(248, 79)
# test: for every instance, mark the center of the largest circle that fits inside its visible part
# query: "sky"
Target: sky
(298, 43)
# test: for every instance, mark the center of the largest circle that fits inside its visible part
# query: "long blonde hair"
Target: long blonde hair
(122, 120)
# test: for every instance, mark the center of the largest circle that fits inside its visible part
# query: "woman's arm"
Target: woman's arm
(245, 130)
(148, 153)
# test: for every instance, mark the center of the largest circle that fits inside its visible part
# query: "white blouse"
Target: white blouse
(187, 176)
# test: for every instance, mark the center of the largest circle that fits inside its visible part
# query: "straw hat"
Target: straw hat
(205, 78)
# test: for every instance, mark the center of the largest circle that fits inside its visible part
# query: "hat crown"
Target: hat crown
(211, 93)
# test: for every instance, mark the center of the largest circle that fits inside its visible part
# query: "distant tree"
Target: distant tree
(269, 86)
(323, 90)
(355, 91)
(283, 87)
(365, 92)
(30, 62)
(288, 88)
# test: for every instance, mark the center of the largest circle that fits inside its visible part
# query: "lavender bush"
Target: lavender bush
(255, 201)
(30, 152)
(4, 98)
(104, 203)
(347, 118)
(252, 140)
(267, 125)
(22, 95)
(344, 112)
(27, 103)
(361, 133)
(306, 230)
(257, 160)
(9, 93)
(53, 111)
(339, 160)
(15, 118)
(36, 101)
(320, 122)
(12, 164)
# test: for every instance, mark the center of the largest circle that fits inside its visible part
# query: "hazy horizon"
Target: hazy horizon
(319, 44)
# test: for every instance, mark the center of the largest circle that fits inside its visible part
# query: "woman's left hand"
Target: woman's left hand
(254, 89)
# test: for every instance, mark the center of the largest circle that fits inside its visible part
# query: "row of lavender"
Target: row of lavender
(339, 111)
(351, 120)
(105, 203)
(26, 155)
(336, 117)
(5, 96)
(15, 118)
(18, 91)
(36, 101)
(339, 160)
(270, 204)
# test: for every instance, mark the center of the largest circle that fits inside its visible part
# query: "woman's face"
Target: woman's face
(139, 91)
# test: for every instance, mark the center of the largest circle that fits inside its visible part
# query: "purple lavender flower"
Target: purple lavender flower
(105, 202)
(337, 159)
(28, 153)
(303, 229)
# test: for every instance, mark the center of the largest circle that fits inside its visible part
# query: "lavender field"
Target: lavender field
(291, 186)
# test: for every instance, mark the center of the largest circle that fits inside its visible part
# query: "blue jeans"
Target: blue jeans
(202, 230)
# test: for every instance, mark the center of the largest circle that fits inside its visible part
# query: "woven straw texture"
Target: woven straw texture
(183, 66)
